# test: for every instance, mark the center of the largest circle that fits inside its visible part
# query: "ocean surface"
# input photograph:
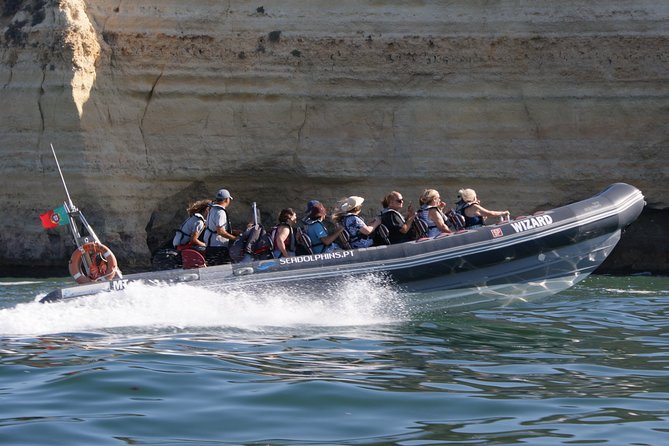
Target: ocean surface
(358, 365)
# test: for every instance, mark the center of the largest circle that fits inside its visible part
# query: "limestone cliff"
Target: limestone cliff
(156, 103)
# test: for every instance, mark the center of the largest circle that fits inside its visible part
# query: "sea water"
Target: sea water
(357, 364)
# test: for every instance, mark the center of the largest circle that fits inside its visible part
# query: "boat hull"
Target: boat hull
(529, 257)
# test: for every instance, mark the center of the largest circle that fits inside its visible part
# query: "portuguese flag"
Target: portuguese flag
(54, 218)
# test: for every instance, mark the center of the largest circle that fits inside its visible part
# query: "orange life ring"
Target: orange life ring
(103, 265)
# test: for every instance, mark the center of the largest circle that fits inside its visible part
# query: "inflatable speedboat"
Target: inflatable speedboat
(524, 258)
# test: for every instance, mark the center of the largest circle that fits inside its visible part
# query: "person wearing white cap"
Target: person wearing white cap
(359, 232)
(218, 232)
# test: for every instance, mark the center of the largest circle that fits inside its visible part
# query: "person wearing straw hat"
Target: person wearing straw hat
(360, 233)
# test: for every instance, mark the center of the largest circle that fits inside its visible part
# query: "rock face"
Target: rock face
(153, 104)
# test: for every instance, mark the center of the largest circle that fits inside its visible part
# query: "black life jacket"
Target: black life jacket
(382, 234)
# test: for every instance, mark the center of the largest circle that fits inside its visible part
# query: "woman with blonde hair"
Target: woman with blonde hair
(474, 213)
(360, 233)
(431, 213)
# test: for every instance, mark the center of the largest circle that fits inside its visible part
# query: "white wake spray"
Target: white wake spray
(356, 301)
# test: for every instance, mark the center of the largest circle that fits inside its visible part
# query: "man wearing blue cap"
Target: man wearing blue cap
(310, 207)
(218, 232)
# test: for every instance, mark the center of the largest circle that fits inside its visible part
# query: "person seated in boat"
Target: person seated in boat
(188, 235)
(392, 218)
(359, 232)
(431, 213)
(218, 231)
(321, 240)
(474, 213)
(307, 211)
(284, 234)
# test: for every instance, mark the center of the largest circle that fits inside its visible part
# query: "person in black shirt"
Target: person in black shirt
(392, 218)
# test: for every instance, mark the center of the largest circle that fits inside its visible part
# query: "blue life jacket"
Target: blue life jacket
(353, 232)
(424, 214)
(477, 220)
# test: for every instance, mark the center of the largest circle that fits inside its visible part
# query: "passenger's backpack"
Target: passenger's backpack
(262, 244)
(255, 241)
(344, 240)
(302, 243)
(456, 219)
(419, 229)
(381, 235)
(166, 258)
(237, 249)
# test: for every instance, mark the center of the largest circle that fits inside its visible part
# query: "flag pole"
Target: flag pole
(72, 211)
(69, 200)
(69, 206)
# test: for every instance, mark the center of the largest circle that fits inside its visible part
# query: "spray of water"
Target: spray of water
(353, 301)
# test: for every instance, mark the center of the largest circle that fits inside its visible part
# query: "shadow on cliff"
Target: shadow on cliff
(164, 222)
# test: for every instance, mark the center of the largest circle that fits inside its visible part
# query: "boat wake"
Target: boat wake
(21, 282)
(354, 301)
